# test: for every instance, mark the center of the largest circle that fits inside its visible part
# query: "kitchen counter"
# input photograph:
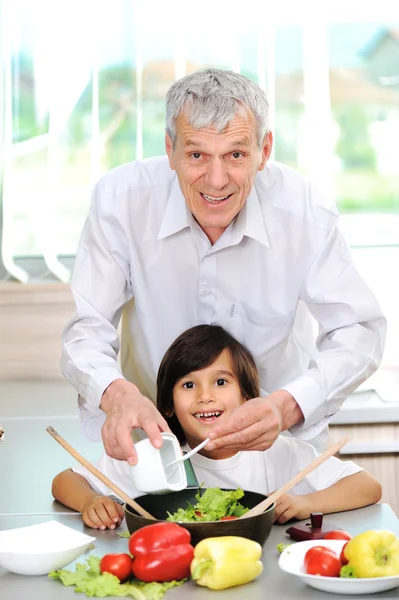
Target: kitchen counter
(273, 583)
(375, 401)
(366, 407)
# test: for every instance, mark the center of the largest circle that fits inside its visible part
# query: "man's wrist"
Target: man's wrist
(115, 388)
(289, 409)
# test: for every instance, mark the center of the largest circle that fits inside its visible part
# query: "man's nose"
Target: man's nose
(216, 176)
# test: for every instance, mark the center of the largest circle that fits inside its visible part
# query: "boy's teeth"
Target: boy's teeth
(208, 414)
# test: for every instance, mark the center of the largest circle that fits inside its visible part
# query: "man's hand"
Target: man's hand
(292, 507)
(126, 408)
(256, 424)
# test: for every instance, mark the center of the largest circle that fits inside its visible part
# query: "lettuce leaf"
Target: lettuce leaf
(213, 505)
(88, 579)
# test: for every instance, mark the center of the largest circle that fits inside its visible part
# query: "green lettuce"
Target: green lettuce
(213, 505)
(89, 580)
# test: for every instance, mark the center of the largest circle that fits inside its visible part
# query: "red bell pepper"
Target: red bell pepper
(161, 552)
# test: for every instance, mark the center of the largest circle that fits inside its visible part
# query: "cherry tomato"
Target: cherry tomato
(320, 560)
(342, 557)
(119, 565)
(228, 518)
(338, 534)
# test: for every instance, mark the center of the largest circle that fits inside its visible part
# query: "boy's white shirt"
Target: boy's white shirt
(262, 472)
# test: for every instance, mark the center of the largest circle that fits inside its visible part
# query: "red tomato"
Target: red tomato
(342, 557)
(228, 518)
(119, 565)
(337, 534)
(320, 560)
(314, 550)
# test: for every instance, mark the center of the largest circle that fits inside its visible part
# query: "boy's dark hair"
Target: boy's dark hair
(196, 349)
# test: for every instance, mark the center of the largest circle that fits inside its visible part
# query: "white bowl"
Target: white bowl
(292, 561)
(150, 474)
(39, 549)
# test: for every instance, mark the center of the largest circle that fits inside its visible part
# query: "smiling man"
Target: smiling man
(217, 233)
(216, 172)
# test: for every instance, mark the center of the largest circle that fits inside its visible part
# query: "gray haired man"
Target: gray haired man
(216, 233)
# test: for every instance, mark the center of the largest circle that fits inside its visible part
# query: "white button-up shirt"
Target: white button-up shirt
(282, 258)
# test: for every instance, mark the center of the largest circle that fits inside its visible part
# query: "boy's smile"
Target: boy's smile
(208, 417)
(203, 397)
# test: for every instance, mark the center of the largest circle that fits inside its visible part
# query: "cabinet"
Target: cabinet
(375, 447)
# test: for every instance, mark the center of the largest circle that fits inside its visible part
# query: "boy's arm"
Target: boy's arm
(98, 511)
(352, 491)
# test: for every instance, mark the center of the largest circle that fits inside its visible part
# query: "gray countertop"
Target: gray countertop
(30, 458)
(272, 584)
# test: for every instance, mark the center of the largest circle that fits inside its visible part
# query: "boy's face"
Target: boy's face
(203, 398)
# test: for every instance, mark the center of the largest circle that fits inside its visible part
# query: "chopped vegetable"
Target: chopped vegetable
(224, 562)
(281, 547)
(348, 571)
(88, 579)
(213, 505)
(161, 552)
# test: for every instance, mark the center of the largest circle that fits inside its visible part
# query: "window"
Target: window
(84, 84)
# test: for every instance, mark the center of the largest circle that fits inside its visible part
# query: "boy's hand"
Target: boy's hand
(101, 512)
(290, 507)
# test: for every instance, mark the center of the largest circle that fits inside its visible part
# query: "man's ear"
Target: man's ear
(267, 146)
(169, 150)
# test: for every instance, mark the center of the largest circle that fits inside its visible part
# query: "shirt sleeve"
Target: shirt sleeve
(118, 471)
(351, 337)
(100, 287)
(324, 476)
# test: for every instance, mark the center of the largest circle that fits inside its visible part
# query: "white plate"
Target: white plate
(39, 549)
(292, 561)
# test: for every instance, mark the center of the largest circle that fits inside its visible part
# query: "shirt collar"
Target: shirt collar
(253, 221)
(176, 216)
(249, 221)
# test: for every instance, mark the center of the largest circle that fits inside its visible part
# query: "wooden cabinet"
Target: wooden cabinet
(375, 447)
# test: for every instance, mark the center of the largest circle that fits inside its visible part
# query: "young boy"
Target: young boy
(204, 376)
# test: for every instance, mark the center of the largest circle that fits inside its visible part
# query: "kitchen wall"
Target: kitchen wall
(32, 319)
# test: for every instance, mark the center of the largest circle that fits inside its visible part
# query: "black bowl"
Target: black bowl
(255, 528)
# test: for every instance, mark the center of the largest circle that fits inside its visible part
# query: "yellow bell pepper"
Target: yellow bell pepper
(223, 562)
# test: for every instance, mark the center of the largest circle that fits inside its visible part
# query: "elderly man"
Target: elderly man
(217, 233)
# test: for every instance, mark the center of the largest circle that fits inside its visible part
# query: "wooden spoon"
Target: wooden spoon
(98, 474)
(262, 506)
